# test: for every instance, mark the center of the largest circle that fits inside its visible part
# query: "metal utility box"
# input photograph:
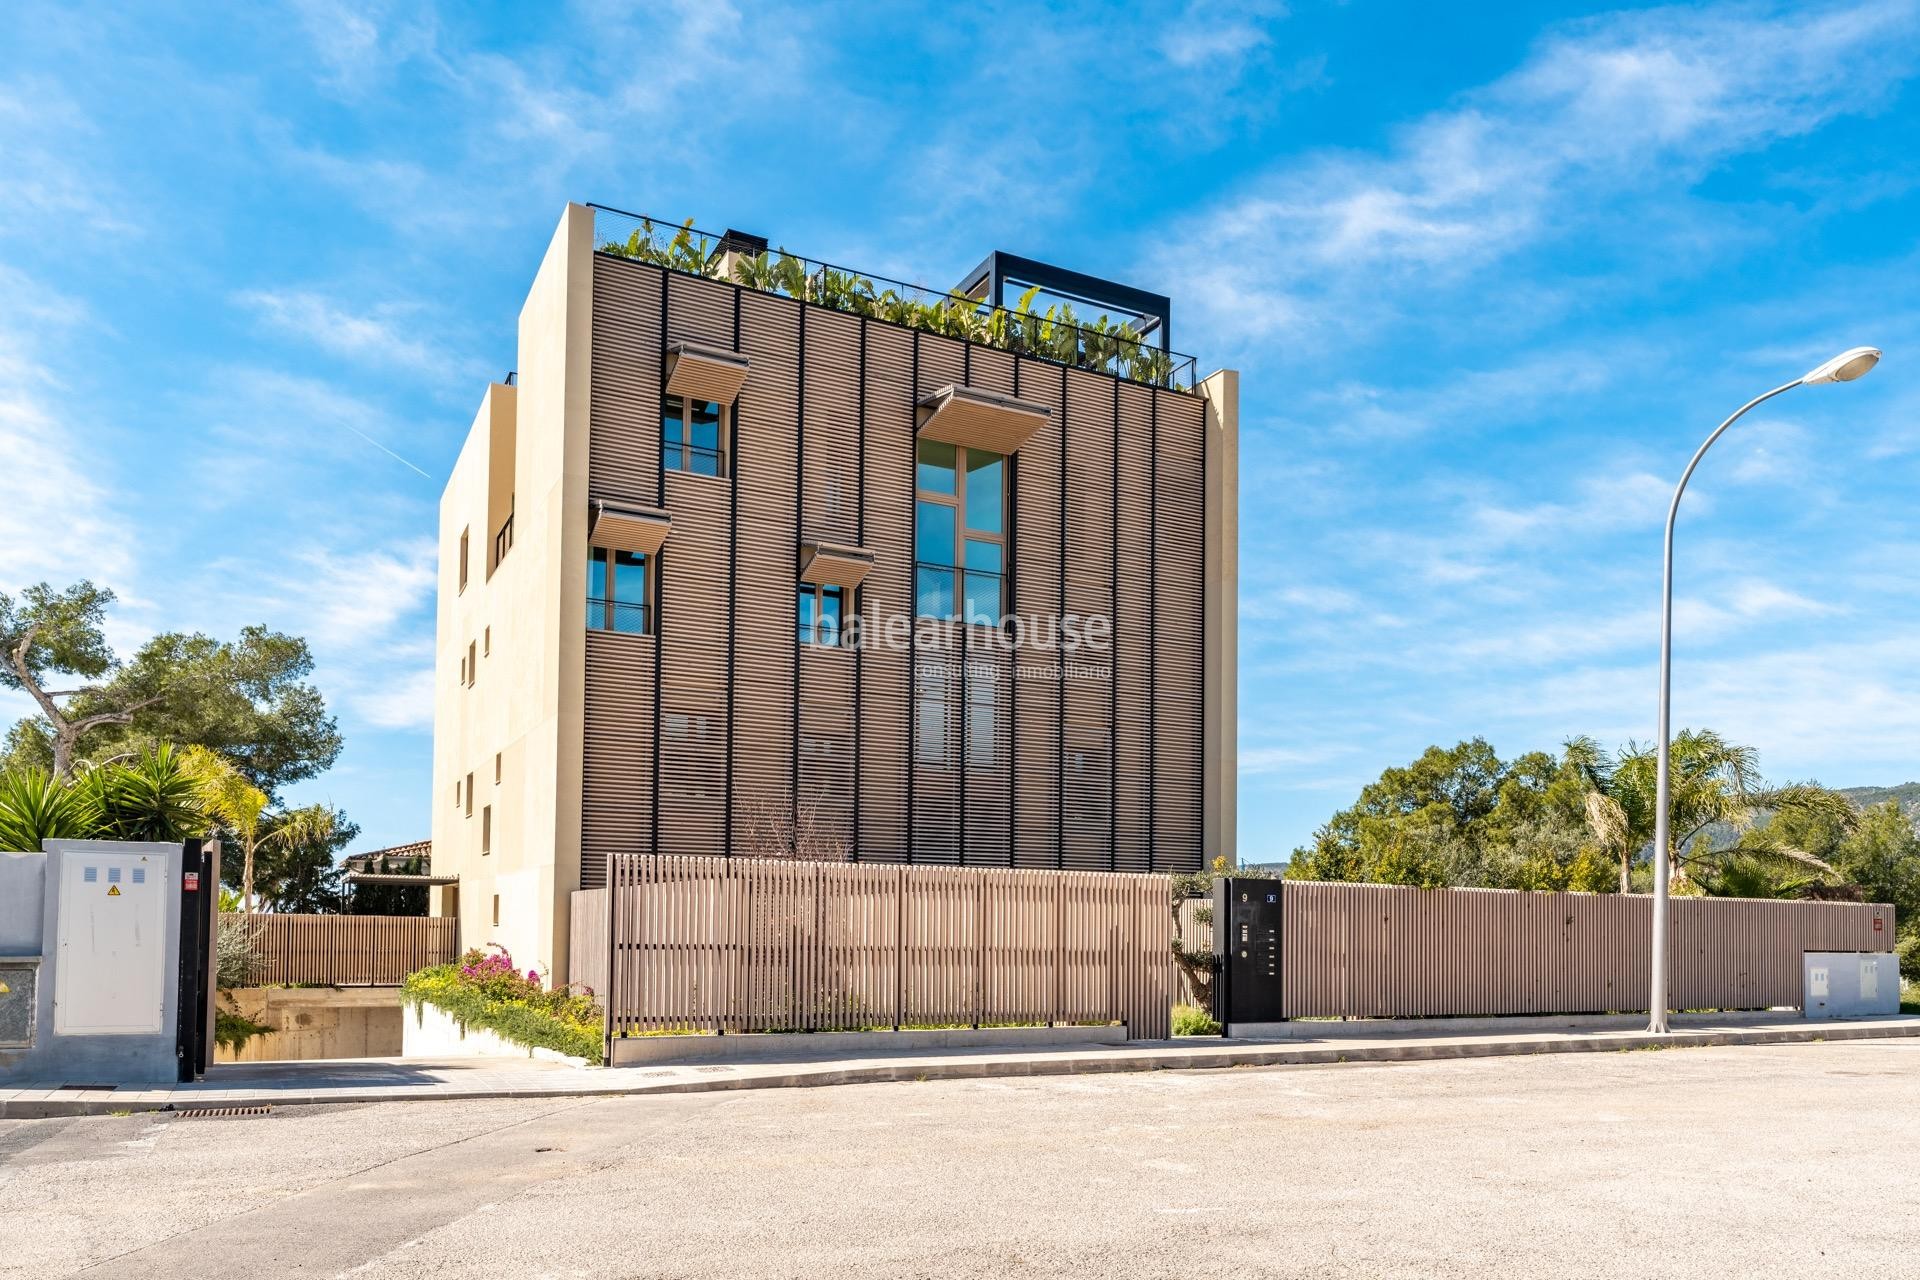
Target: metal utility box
(115, 952)
(1850, 984)
(1247, 936)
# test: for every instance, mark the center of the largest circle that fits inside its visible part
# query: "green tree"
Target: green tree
(1459, 817)
(153, 796)
(300, 872)
(247, 699)
(48, 634)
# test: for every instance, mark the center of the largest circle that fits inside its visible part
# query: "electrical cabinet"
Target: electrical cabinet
(112, 971)
(1850, 984)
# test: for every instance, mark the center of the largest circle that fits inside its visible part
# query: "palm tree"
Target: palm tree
(241, 807)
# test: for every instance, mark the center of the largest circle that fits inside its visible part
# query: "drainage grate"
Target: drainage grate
(94, 1088)
(216, 1113)
(712, 1070)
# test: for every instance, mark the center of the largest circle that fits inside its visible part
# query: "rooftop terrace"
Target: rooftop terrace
(1124, 348)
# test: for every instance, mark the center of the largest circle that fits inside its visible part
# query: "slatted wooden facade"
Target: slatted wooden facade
(748, 944)
(720, 716)
(345, 951)
(1385, 951)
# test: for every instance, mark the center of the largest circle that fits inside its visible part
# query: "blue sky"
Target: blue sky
(1489, 276)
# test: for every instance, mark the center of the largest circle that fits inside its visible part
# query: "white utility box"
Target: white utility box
(111, 978)
(1850, 984)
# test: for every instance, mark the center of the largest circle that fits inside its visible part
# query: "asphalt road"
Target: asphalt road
(1780, 1161)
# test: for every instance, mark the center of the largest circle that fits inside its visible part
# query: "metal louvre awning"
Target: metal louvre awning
(395, 877)
(620, 527)
(980, 419)
(833, 564)
(698, 372)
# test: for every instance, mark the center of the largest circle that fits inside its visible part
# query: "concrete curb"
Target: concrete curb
(31, 1104)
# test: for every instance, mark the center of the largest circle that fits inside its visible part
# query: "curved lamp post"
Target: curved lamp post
(1844, 367)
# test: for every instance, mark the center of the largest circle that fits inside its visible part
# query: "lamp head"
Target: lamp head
(1846, 366)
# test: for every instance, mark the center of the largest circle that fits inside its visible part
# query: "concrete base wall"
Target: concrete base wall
(317, 1022)
(428, 1032)
(639, 1050)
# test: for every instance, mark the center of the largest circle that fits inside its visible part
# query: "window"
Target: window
(822, 615)
(486, 642)
(496, 768)
(930, 713)
(473, 665)
(486, 830)
(469, 795)
(982, 712)
(463, 558)
(959, 533)
(463, 670)
(496, 909)
(456, 793)
(693, 436)
(617, 596)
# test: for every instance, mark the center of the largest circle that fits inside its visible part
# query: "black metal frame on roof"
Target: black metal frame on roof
(988, 282)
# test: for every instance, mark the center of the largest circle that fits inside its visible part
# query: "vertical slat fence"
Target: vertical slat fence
(345, 951)
(1386, 951)
(707, 944)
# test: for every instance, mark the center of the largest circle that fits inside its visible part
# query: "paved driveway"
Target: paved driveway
(1775, 1161)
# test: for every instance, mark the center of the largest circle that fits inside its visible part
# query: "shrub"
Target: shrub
(232, 1029)
(1191, 1020)
(483, 989)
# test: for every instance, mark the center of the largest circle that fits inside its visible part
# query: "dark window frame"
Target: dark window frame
(686, 448)
(601, 593)
(962, 535)
(808, 634)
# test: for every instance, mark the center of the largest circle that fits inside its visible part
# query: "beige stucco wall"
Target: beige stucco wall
(1221, 752)
(310, 1023)
(526, 699)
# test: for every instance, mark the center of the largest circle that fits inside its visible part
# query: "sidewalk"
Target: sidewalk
(286, 1084)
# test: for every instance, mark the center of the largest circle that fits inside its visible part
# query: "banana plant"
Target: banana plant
(755, 272)
(790, 275)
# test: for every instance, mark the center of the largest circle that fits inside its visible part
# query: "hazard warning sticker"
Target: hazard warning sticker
(114, 891)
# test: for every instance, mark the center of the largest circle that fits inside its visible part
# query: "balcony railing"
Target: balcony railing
(1056, 334)
(940, 591)
(617, 615)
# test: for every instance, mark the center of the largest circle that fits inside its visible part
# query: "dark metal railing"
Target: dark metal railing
(692, 458)
(1057, 334)
(617, 615)
(503, 541)
(950, 584)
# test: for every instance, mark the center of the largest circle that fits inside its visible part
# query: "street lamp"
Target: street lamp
(1844, 367)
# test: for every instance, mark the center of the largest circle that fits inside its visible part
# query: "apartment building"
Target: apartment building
(755, 555)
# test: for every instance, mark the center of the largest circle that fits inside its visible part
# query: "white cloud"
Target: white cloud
(59, 516)
(384, 334)
(1622, 103)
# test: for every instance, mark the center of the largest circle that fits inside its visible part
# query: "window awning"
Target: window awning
(628, 528)
(833, 564)
(705, 373)
(980, 419)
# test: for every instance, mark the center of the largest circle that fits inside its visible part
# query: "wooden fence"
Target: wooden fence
(738, 944)
(1385, 951)
(346, 951)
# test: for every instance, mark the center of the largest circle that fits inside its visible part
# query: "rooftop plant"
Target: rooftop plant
(1056, 334)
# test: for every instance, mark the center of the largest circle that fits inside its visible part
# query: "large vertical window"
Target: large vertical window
(617, 596)
(822, 615)
(959, 533)
(693, 436)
